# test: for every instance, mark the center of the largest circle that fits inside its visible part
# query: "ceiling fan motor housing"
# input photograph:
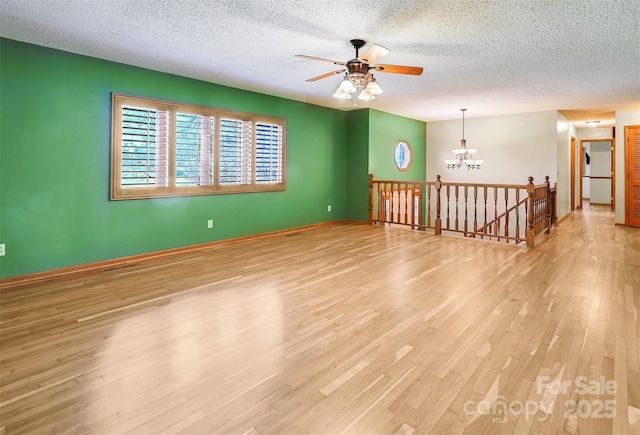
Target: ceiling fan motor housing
(357, 71)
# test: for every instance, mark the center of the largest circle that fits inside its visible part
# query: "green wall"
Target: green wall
(55, 124)
(372, 136)
(55, 127)
(385, 131)
(358, 165)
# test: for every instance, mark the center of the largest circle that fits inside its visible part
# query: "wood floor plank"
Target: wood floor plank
(342, 328)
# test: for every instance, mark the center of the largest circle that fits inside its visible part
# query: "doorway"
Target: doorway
(597, 171)
(573, 174)
(632, 190)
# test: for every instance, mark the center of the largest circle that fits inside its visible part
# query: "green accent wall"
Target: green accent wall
(385, 131)
(55, 127)
(55, 142)
(358, 165)
(372, 136)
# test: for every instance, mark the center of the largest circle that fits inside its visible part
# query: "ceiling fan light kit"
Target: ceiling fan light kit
(346, 85)
(343, 95)
(358, 76)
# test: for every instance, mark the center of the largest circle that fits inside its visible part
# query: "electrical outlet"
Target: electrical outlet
(1, 249)
(328, 208)
(210, 223)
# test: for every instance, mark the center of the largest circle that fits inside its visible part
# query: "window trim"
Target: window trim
(117, 192)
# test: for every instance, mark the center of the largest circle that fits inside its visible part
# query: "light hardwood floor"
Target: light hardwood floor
(339, 329)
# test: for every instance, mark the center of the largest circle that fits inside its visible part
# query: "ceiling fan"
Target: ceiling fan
(359, 71)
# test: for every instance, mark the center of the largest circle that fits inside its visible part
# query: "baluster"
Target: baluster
(419, 198)
(448, 195)
(371, 214)
(498, 216)
(407, 203)
(395, 209)
(517, 214)
(389, 190)
(382, 207)
(475, 209)
(387, 202)
(380, 203)
(399, 205)
(411, 196)
(466, 209)
(429, 205)
(417, 205)
(548, 204)
(457, 197)
(540, 214)
(506, 214)
(484, 226)
(393, 203)
(438, 226)
(385, 192)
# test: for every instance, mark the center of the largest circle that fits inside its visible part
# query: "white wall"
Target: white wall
(595, 133)
(623, 118)
(564, 131)
(513, 148)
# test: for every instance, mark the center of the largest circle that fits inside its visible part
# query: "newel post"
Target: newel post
(438, 222)
(530, 232)
(548, 205)
(370, 199)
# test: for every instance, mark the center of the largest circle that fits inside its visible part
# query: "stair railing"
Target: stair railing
(511, 213)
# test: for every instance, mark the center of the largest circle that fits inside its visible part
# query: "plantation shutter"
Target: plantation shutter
(194, 149)
(269, 147)
(235, 152)
(161, 148)
(144, 147)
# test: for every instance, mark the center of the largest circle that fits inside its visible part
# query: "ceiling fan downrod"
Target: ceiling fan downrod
(357, 44)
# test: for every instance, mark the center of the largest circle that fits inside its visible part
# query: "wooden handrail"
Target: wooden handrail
(512, 186)
(491, 210)
(497, 219)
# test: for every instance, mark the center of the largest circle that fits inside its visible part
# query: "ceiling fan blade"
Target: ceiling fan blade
(335, 62)
(324, 76)
(398, 69)
(373, 53)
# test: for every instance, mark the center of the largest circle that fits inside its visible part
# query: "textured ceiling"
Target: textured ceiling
(492, 57)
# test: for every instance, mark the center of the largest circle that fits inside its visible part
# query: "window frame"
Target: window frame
(118, 192)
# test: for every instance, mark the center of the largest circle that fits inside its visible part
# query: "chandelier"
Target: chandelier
(463, 154)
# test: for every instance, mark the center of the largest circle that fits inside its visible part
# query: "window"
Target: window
(402, 155)
(166, 149)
